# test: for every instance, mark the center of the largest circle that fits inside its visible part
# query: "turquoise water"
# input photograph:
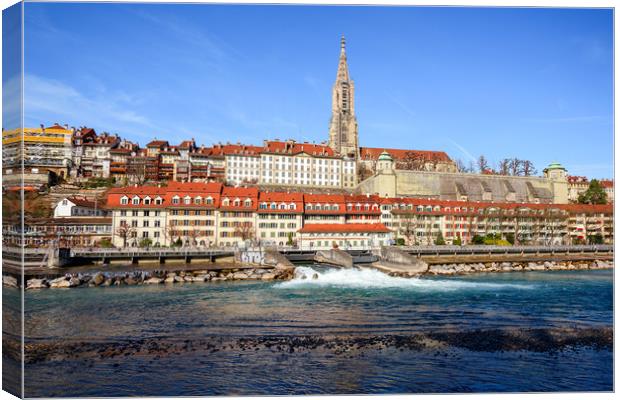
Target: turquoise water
(338, 304)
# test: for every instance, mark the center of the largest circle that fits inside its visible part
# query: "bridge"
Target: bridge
(38, 258)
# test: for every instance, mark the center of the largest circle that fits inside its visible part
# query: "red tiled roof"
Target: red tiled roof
(281, 196)
(56, 126)
(158, 143)
(607, 183)
(82, 201)
(231, 149)
(372, 153)
(577, 179)
(344, 228)
(278, 147)
(324, 198)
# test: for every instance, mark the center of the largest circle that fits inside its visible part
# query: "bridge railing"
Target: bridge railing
(449, 249)
(153, 251)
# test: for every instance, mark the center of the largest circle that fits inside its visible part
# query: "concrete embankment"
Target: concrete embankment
(463, 268)
(395, 261)
(336, 257)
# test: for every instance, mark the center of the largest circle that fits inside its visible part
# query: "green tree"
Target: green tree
(477, 239)
(105, 242)
(594, 195)
(289, 242)
(439, 239)
(457, 241)
(510, 237)
(595, 239)
(146, 242)
(400, 241)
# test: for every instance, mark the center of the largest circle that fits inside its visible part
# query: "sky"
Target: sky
(535, 84)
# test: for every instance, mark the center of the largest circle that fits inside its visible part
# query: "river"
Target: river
(347, 332)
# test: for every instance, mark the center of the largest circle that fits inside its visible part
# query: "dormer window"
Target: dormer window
(158, 200)
(187, 200)
(274, 206)
(248, 203)
(237, 202)
(209, 200)
(176, 200)
(282, 206)
(124, 200)
(198, 200)
(263, 206)
(135, 200)
(226, 202)
(291, 206)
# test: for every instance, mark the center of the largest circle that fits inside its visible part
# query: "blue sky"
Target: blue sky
(528, 83)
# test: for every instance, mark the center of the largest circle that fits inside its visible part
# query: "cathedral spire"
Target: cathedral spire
(343, 124)
(343, 68)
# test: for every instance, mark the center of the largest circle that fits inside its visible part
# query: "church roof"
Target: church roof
(373, 153)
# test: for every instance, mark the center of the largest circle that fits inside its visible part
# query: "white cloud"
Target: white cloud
(48, 101)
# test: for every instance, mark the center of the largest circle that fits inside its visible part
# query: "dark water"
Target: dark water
(339, 303)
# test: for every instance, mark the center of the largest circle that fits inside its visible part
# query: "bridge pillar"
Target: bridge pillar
(134, 259)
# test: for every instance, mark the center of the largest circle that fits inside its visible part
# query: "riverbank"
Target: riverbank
(495, 340)
(155, 276)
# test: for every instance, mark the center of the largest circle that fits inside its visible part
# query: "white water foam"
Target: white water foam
(367, 278)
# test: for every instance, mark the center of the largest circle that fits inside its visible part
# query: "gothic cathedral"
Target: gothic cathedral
(343, 124)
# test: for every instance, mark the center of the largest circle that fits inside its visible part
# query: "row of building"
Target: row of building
(212, 214)
(58, 153)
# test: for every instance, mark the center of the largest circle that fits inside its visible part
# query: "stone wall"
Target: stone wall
(470, 187)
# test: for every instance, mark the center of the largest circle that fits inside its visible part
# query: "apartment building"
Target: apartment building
(349, 236)
(242, 164)
(91, 153)
(207, 214)
(279, 217)
(237, 216)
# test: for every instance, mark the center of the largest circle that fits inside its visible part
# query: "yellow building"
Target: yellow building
(44, 151)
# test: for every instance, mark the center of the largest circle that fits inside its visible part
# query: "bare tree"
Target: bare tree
(483, 164)
(503, 167)
(125, 231)
(527, 168)
(245, 231)
(408, 227)
(137, 171)
(413, 161)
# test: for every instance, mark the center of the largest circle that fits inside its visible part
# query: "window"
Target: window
(124, 200)
(158, 200)
(147, 200)
(176, 199)
(135, 201)
(146, 213)
(198, 200)
(187, 200)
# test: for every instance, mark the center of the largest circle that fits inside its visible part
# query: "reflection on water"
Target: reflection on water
(367, 304)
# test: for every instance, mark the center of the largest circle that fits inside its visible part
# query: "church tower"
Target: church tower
(343, 124)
